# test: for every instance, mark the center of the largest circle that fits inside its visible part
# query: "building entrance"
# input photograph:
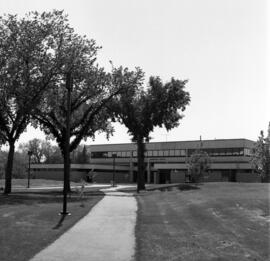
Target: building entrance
(164, 176)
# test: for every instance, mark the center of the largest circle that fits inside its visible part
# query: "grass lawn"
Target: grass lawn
(30, 221)
(22, 183)
(217, 221)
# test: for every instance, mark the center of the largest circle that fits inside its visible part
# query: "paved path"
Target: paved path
(105, 234)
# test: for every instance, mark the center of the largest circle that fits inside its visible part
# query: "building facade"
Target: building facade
(165, 162)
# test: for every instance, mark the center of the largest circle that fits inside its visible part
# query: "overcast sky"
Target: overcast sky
(220, 46)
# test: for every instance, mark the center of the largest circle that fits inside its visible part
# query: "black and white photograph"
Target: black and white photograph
(134, 130)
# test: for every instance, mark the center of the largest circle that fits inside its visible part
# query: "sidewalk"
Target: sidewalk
(106, 233)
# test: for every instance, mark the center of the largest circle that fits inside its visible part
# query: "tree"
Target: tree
(141, 110)
(261, 156)
(82, 156)
(30, 58)
(199, 164)
(51, 153)
(20, 164)
(75, 108)
(35, 147)
(42, 151)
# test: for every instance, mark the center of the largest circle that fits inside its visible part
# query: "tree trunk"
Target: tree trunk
(67, 171)
(140, 175)
(9, 166)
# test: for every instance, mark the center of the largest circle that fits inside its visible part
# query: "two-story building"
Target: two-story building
(165, 162)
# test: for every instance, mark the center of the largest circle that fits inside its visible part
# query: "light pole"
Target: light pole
(30, 153)
(67, 145)
(114, 155)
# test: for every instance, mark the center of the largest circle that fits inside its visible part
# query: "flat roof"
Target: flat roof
(195, 144)
(155, 142)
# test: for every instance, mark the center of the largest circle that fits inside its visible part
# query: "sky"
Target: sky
(220, 46)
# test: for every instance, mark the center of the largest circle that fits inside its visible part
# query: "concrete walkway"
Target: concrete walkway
(106, 233)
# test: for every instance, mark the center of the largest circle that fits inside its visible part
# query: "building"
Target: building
(165, 162)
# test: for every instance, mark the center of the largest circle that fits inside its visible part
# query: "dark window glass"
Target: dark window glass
(222, 152)
(235, 151)
(215, 152)
(99, 154)
(229, 152)
(190, 152)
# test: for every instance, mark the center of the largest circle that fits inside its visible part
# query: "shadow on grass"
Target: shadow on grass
(163, 188)
(30, 198)
(180, 187)
(60, 222)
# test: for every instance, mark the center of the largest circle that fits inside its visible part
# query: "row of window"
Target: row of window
(172, 153)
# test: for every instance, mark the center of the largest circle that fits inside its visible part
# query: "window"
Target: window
(155, 153)
(134, 153)
(182, 153)
(99, 154)
(215, 152)
(128, 154)
(190, 152)
(118, 154)
(177, 153)
(150, 153)
(209, 151)
(247, 152)
(114, 153)
(160, 153)
(123, 154)
(228, 151)
(222, 152)
(166, 153)
(171, 153)
(109, 154)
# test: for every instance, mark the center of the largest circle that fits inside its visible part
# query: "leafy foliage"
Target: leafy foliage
(261, 157)
(81, 156)
(159, 105)
(31, 56)
(92, 89)
(140, 110)
(33, 146)
(199, 164)
(42, 151)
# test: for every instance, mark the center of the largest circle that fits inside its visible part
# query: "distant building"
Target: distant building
(165, 162)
